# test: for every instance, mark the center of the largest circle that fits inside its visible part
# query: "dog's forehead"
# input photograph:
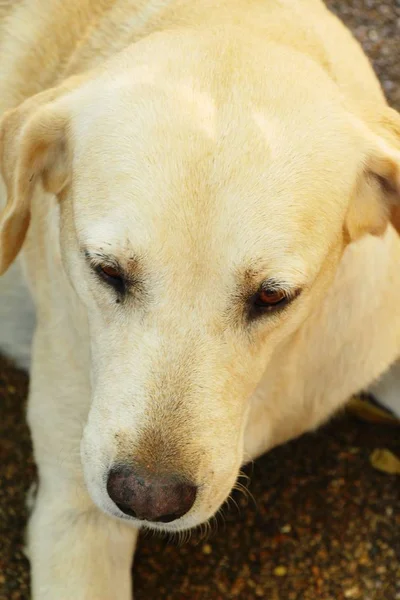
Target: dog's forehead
(166, 156)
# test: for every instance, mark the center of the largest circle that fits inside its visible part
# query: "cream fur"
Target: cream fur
(208, 146)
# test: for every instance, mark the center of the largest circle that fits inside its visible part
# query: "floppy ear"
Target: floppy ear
(32, 148)
(376, 200)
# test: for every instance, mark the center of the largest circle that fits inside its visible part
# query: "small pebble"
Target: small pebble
(373, 36)
(207, 549)
(353, 592)
(259, 591)
(280, 571)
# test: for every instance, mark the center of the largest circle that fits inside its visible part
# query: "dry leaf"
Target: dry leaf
(367, 411)
(384, 460)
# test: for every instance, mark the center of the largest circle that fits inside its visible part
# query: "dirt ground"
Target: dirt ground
(322, 523)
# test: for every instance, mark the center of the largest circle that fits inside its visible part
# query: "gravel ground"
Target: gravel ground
(322, 523)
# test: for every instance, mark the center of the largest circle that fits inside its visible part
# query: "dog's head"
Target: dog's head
(207, 194)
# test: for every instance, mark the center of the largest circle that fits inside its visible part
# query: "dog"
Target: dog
(205, 196)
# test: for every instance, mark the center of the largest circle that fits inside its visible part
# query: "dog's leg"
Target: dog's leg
(76, 551)
(387, 389)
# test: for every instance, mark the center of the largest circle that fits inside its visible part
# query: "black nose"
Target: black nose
(162, 498)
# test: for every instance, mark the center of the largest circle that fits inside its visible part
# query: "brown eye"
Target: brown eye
(110, 272)
(112, 276)
(270, 298)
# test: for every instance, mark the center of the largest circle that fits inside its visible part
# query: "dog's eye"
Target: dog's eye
(270, 298)
(110, 272)
(112, 276)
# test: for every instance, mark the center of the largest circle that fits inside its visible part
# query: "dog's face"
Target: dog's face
(205, 205)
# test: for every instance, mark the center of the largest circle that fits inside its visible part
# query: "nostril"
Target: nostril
(168, 518)
(120, 483)
(126, 509)
(185, 498)
(162, 498)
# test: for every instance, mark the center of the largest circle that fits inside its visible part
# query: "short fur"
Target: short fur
(207, 147)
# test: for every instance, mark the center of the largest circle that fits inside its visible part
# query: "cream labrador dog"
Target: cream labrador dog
(203, 194)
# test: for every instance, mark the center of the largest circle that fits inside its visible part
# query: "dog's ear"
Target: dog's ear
(33, 148)
(376, 199)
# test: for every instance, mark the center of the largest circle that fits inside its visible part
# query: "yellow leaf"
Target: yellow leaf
(384, 460)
